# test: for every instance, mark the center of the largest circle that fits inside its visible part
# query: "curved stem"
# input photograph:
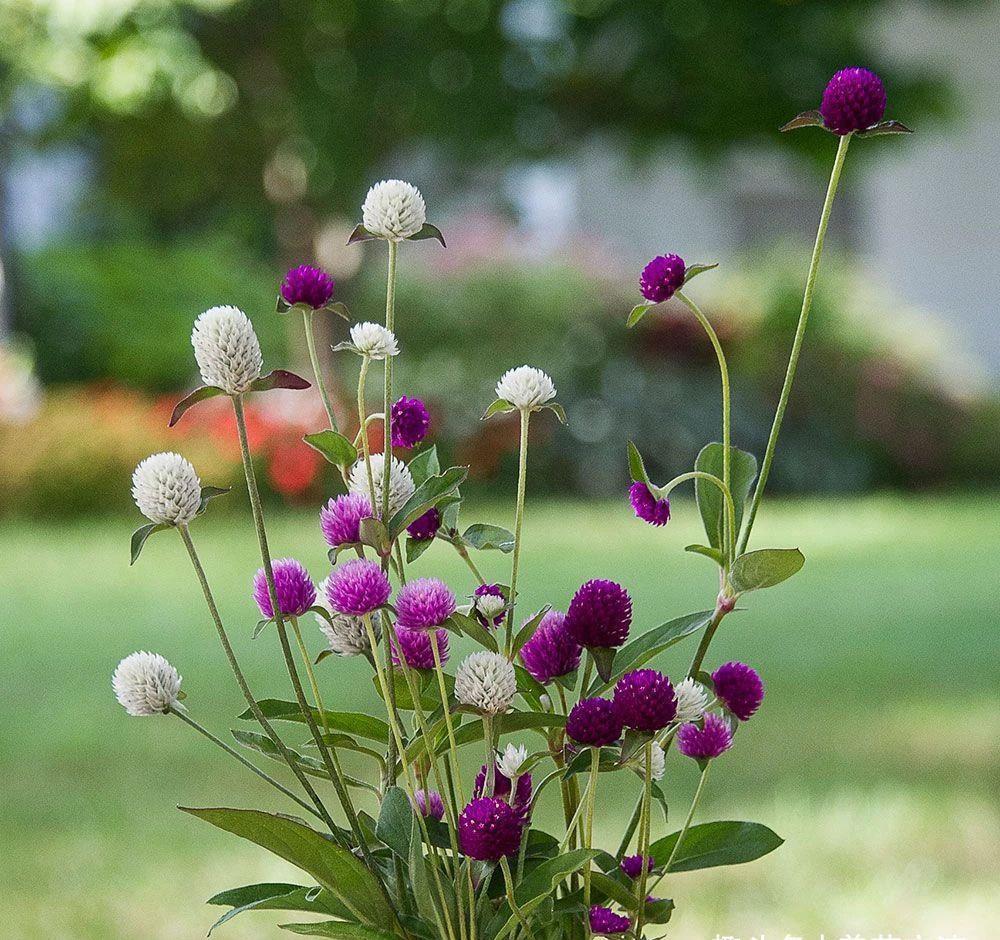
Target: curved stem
(522, 475)
(800, 331)
(686, 826)
(588, 833)
(307, 320)
(463, 553)
(710, 478)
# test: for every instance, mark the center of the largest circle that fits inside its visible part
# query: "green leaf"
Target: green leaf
(806, 119)
(395, 822)
(636, 465)
(420, 882)
(558, 411)
(637, 313)
(427, 685)
(199, 394)
(489, 537)
(717, 843)
(711, 504)
(339, 930)
(708, 552)
(366, 726)
(614, 890)
(279, 378)
(336, 448)
(633, 743)
(373, 534)
(276, 897)
(500, 407)
(360, 234)
(604, 660)
(765, 568)
(424, 464)
(141, 534)
(334, 868)
(693, 270)
(208, 493)
(429, 231)
(471, 627)
(428, 494)
(339, 308)
(415, 548)
(528, 629)
(884, 127)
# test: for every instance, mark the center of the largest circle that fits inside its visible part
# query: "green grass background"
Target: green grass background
(875, 755)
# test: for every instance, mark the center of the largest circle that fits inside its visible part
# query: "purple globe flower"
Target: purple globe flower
(340, 519)
(648, 507)
(853, 100)
(429, 804)
(599, 614)
(357, 587)
(595, 722)
(501, 789)
(410, 421)
(645, 700)
(424, 604)
(415, 645)
(550, 651)
(307, 285)
(425, 527)
(661, 278)
(489, 591)
(711, 740)
(632, 865)
(295, 590)
(489, 829)
(605, 921)
(740, 688)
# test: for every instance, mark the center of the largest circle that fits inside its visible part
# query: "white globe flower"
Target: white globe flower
(401, 485)
(510, 761)
(146, 684)
(526, 387)
(226, 349)
(166, 489)
(658, 763)
(486, 681)
(692, 700)
(490, 606)
(374, 340)
(394, 210)
(346, 635)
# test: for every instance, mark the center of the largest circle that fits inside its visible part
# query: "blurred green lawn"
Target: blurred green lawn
(876, 754)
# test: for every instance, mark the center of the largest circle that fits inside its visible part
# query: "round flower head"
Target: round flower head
(410, 421)
(425, 527)
(340, 519)
(401, 485)
(146, 684)
(166, 489)
(658, 762)
(295, 590)
(357, 587)
(525, 387)
(599, 614)
(374, 341)
(424, 604)
(394, 210)
(595, 722)
(489, 604)
(645, 700)
(632, 865)
(662, 278)
(226, 349)
(501, 788)
(692, 699)
(711, 740)
(853, 100)
(307, 285)
(486, 681)
(415, 645)
(604, 921)
(550, 652)
(740, 688)
(346, 635)
(649, 508)
(489, 829)
(429, 804)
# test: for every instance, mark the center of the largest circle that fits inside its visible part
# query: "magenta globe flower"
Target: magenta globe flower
(662, 278)
(292, 584)
(550, 651)
(415, 646)
(425, 527)
(340, 519)
(501, 789)
(489, 829)
(410, 421)
(424, 604)
(604, 921)
(599, 614)
(649, 508)
(632, 865)
(740, 688)
(307, 285)
(429, 804)
(707, 742)
(853, 100)
(645, 700)
(357, 587)
(594, 722)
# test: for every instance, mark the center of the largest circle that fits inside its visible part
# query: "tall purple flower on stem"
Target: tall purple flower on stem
(429, 804)
(550, 651)
(295, 590)
(501, 789)
(307, 285)
(425, 527)
(662, 278)
(489, 829)
(489, 604)
(424, 604)
(604, 921)
(645, 700)
(649, 508)
(357, 587)
(715, 737)
(599, 614)
(632, 865)
(410, 421)
(740, 688)
(853, 100)
(415, 646)
(340, 519)
(594, 722)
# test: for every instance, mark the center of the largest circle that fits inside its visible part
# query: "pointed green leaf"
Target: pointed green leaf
(558, 411)
(339, 308)
(693, 270)
(711, 503)
(366, 726)
(499, 407)
(432, 491)
(276, 897)
(805, 119)
(395, 822)
(708, 552)
(360, 234)
(373, 534)
(528, 629)
(429, 231)
(424, 464)
(636, 465)
(199, 394)
(471, 627)
(637, 313)
(765, 568)
(338, 930)
(336, 448)
(489, 537)
(604, 659)
(141, 534)
(208, 493)
(415, 548)
(716, 843)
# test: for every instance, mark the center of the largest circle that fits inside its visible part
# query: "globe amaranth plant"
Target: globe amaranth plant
(553, 699)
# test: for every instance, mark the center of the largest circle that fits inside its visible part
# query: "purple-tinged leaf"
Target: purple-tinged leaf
(884, 127)
(429, 231)
(199, 394)
(805, 119)
(360, 234)
(279, 378)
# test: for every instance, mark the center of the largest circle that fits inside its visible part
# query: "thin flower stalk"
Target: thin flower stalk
(644, 829)
(588, 831)
(522, 476)
(684, 829)
(449, 723)
(307, 322)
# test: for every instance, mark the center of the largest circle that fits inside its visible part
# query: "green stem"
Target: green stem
(307, 320)
(509, 885)
(633, 824)
(708, 478)
(685, 827)
(706, 639)
(362, 379)
(522, 476)
(588, 832)
(449, 724)
(800, 331)
(390, 315)
(491, 758)
(644, 832)
(464, 555)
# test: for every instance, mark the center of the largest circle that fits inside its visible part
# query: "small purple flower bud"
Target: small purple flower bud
(550, 651)
(740, 688)
(307, 285)
(410, 421)
(595, 722)
(357, 587)
(429, 804)
(853, 100)
(711, 740)
(425, 527)
(340, 519)
(501, 789)
(605, 921)
(295, 590)
(424, 604)
(632, 865)
(648, 507)
(489, 829)
(645, 700)
(415, 645)
(661, 278)
(599, 614)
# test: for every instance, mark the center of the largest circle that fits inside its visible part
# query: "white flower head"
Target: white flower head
(226, 349)
(394, 210)
(659, 762)
(374, 340)
(526, 387)
(146, 684)
(490, 606)
(401, 485)
(345, 635)
(166, 489)
(510, 761)
(486, 681)
(692, 699)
